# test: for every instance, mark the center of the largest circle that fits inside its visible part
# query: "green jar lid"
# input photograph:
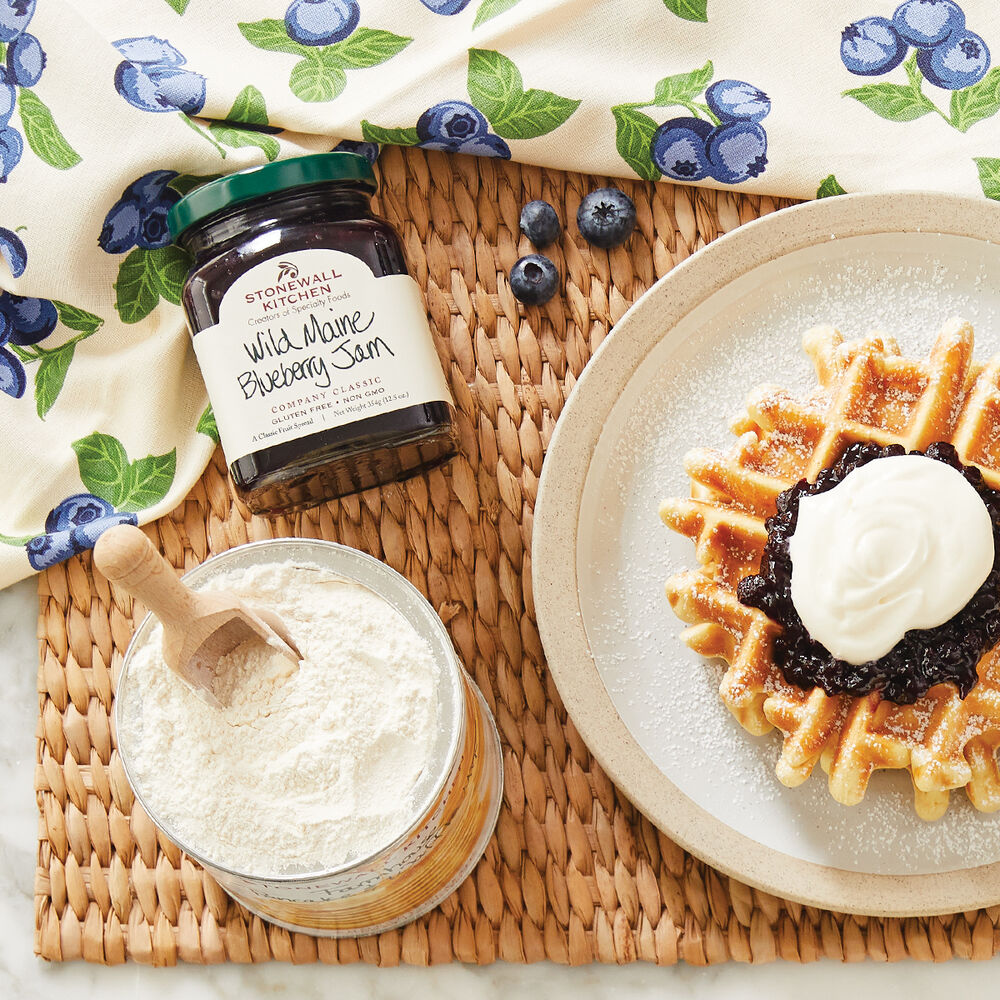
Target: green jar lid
(256, 182)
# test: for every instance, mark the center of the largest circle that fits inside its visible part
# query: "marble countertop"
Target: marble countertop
(24, 977)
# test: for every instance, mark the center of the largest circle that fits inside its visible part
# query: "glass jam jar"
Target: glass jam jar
(310, 333)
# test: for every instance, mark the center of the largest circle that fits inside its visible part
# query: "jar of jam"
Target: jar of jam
(310, 333)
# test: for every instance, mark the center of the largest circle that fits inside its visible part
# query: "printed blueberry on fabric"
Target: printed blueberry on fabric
(498, 100)
(369, 150)
(116, 489)
(328, 38)
(947, 54)
(720, 138)
(486, 11)
(151, 77)
(72, 526)
(24, 323)
(24, 61)
(136, 224)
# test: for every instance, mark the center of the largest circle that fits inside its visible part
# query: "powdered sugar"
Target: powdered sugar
(307, 767)
(684, 396)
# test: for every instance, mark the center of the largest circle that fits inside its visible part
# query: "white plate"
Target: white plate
(674, 371)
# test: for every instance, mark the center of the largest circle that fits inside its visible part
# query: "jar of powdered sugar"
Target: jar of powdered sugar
(343, 795)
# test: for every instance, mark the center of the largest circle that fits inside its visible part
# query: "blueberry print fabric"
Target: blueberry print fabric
(112, 112)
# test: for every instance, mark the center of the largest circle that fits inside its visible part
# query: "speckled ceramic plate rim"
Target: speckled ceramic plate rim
(554, 576)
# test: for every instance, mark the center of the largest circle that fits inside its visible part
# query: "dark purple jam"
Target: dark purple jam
(923, 657)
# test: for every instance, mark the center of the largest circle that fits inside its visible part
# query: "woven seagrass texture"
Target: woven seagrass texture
(574, 873)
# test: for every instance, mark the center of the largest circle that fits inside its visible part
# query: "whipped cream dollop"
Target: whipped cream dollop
(900, 543)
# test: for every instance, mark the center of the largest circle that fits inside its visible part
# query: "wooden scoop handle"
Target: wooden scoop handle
(127, 557)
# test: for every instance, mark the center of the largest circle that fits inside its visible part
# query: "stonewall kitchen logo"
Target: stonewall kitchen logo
(289, 288)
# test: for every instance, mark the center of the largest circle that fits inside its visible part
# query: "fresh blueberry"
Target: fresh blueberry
(446, 6)
(13, 250)
(160, 88)
(734, 99)
(80, 508)
(678, 149)
(606, 217)
(149, 50)
(958, 63)
(451, 123)
(84, 536)
(121, 227)
(152, 187)
(14, 18)
(871, 47)
(321, 22)
(13, 377)
(926, 23)
(534, 279)
(540, 223)
(25, 60)
(736, 151)
(11, 147)
(7, 97)
(369, 150)
(47, 550)
(32, 319)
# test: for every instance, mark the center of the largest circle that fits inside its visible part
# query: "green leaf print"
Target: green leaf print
(184, 183)
(684, 87)
(50, 377)
(989, 175)
(892, 102)
(690, 10)
(489, 9)
(389, 136)
(53, 362)
(136, 290)
(107, 473)
(149, 480)
(235, 138)
(313, 80)
(179, 5)
(146, 276)
(497, 90)
(365, 48)
(250, 108)
(207, 425)
(104, 466)
(75, 318)
(271, 36)
(976, 103)
(169, 266)
(633, 137)
(319, 75)
(903, 104)
(42, 133)
(829, 187)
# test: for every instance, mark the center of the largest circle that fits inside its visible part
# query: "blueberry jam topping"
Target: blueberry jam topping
(923, 657)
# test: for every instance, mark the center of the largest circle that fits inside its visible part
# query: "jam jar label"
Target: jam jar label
(311, 340)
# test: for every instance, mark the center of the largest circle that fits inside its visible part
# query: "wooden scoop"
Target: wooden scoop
(198, 628)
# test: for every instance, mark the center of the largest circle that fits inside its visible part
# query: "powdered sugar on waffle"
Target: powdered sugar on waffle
(686, 394)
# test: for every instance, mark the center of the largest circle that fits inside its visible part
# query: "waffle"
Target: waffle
(866, 391)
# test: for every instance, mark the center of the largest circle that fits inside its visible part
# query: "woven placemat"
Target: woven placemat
(574, 873)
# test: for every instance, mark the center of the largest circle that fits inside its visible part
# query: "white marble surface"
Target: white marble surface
(24, 977)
